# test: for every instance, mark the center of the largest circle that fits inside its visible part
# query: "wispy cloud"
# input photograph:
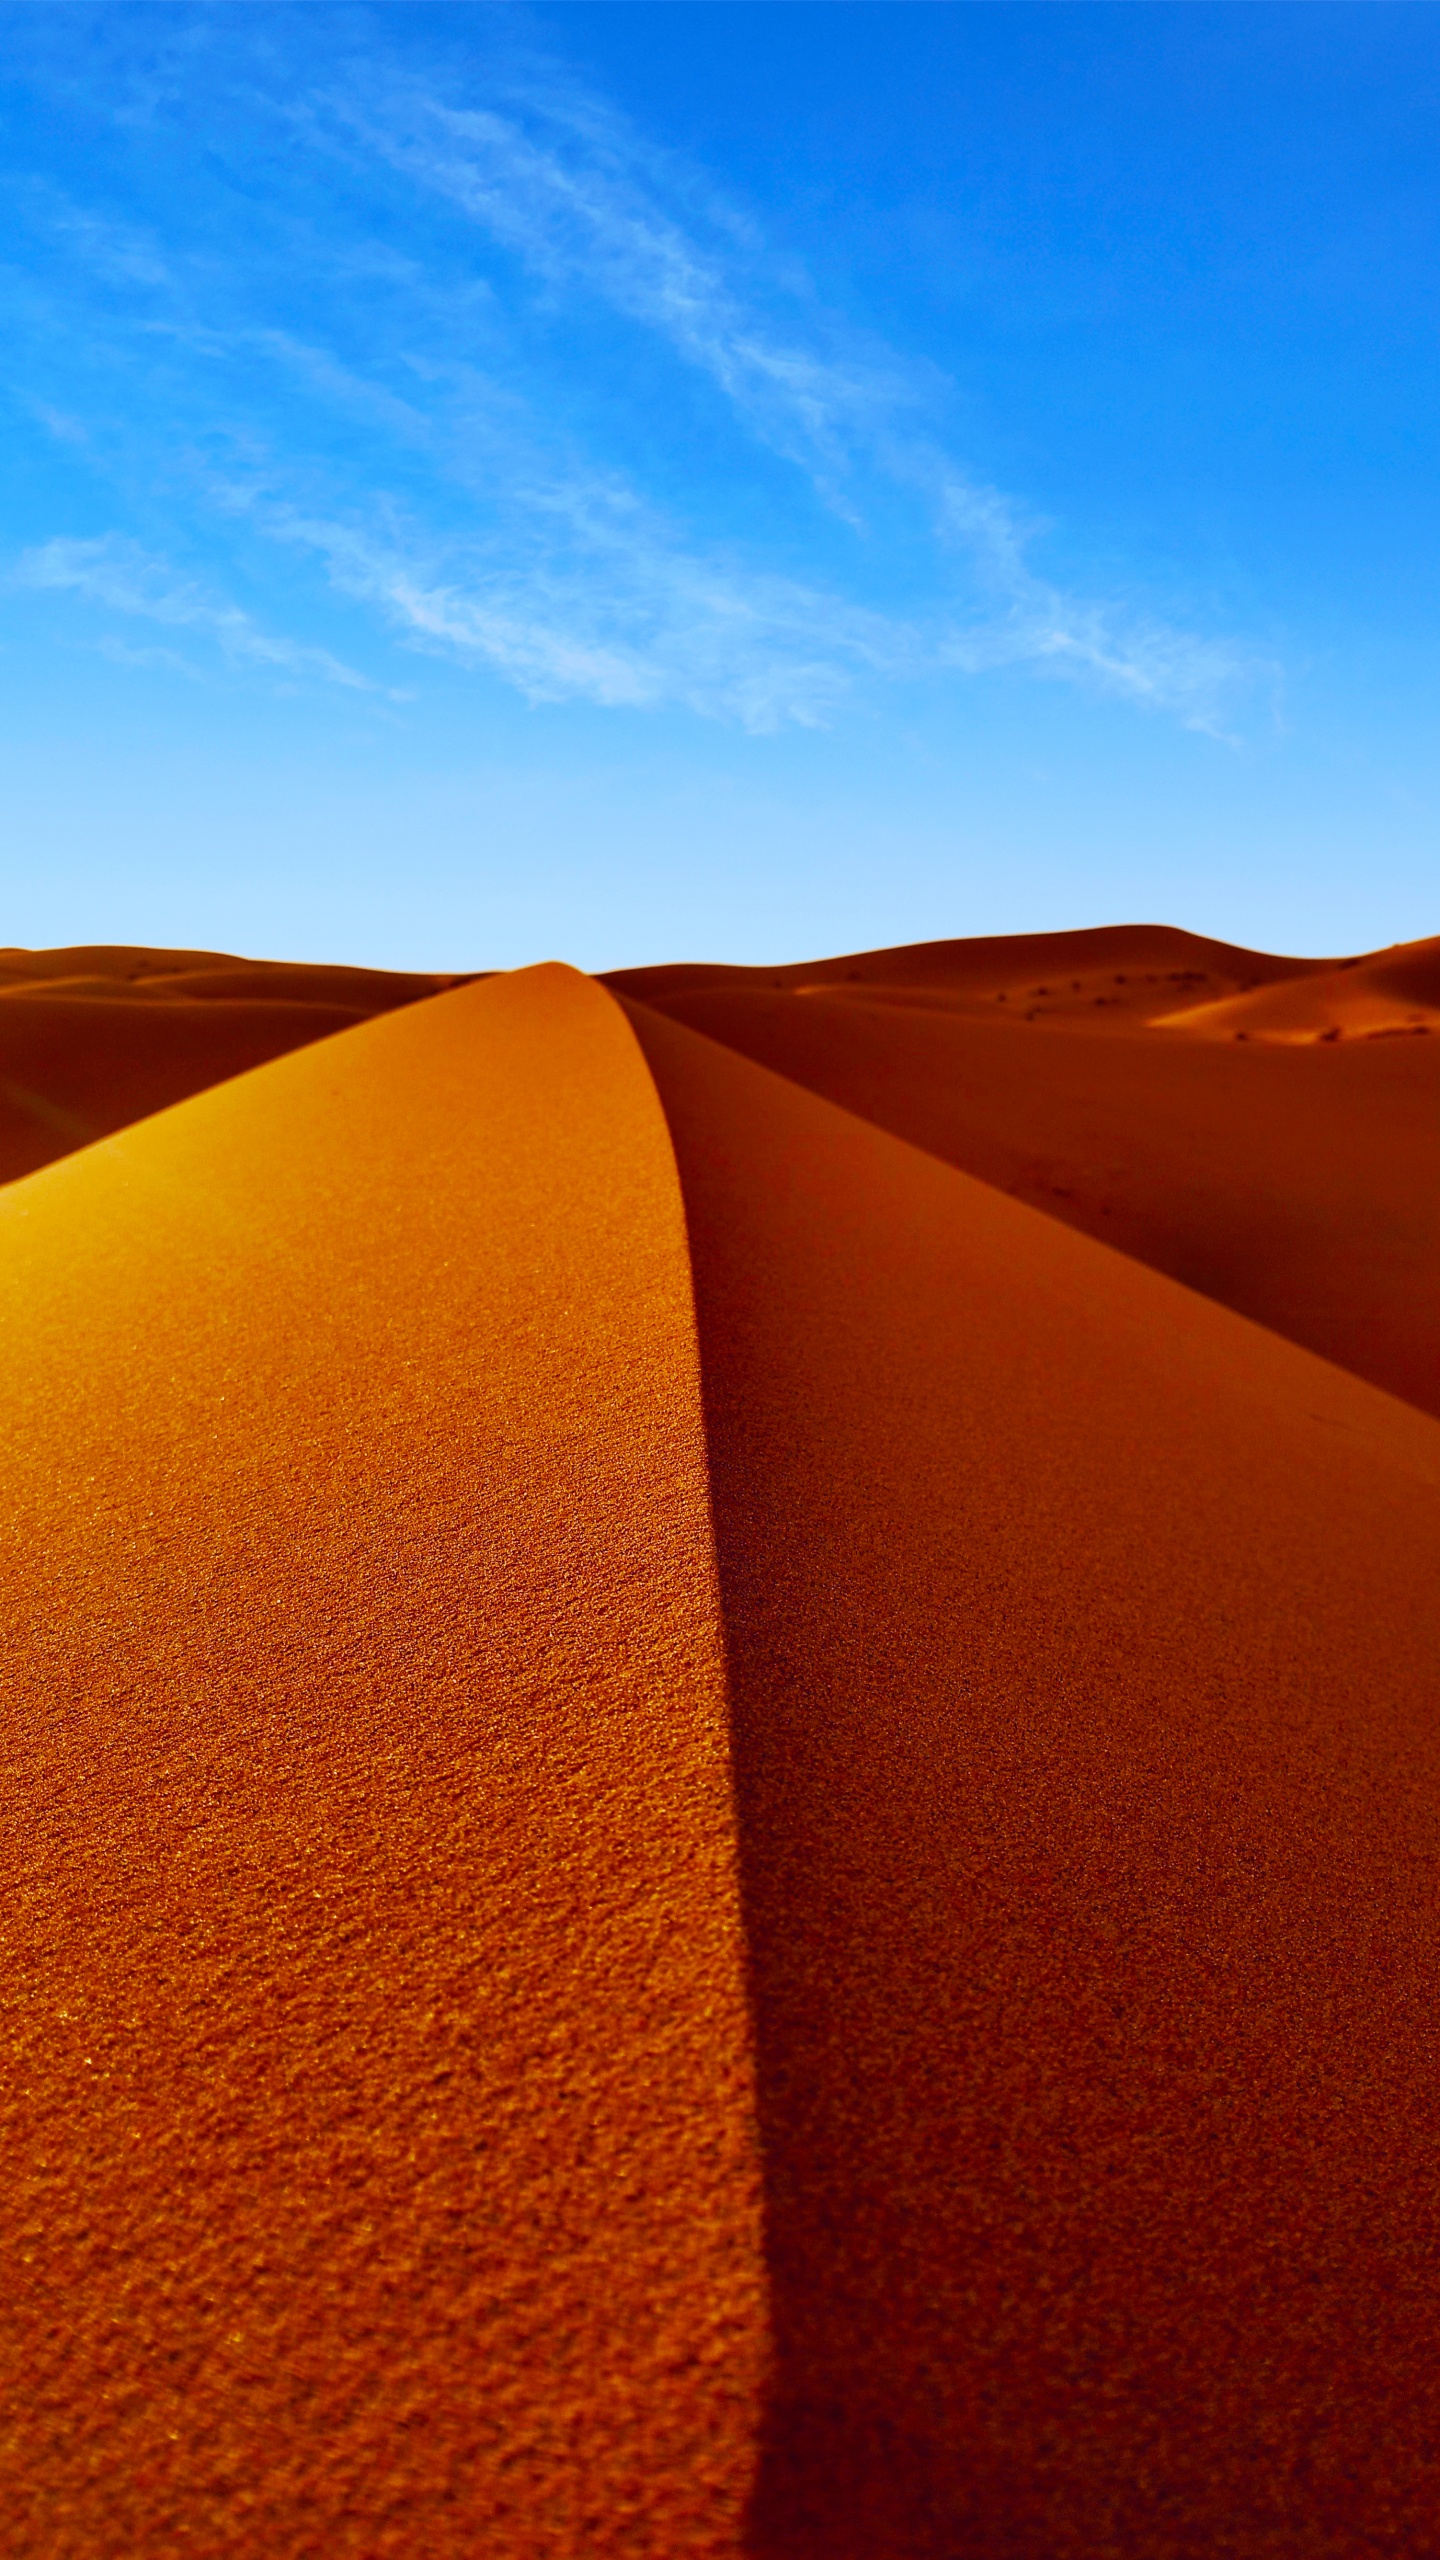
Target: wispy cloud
(1024, 620)
(606, 606)
(124, 653)
(567, 187)
(116, 573)
(575, 199)
(451, 432)
(113, 248)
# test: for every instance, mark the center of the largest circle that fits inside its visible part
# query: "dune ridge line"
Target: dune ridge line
(381, 2127)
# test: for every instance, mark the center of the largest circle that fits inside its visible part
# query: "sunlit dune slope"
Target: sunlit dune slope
(379, 2151)
(1295, 1183)
(1387, 995)
(96, 1037)
(1082, 1642)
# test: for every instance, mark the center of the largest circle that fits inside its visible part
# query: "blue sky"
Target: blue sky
(651, 482)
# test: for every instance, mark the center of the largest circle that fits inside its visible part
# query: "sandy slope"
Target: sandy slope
(1293, 1182)
(1082, 1642)
(1178, 1097)
(1385, 995)
(1112, 976)
(86, 1049)
(379, 2149)
(714, 1845)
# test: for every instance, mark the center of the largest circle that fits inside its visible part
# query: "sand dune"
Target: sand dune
(1294, 1182)
(124, 970)
(84, 1049)
(1299, 1191)
(1389, 993)
(380, 2142)
(1111, 978)
(1082, 1644)
(716, 1845)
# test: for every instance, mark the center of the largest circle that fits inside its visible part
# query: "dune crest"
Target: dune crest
(1107, 978)
(380, 2148)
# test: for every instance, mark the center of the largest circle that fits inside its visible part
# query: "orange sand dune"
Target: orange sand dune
(1375, 998)
(379, 2143)
(1082, 1643)
(1105, 979)
(123, 964)
(715, 1845)
(1294, 1183)
(130, 970)
(69, 1075)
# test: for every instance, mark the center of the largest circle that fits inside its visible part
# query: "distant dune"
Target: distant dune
(1289, 1173)
(718, 1844)
(95, 1037)
(1389, 995)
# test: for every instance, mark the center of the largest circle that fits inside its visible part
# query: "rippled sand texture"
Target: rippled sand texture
(715, 1842)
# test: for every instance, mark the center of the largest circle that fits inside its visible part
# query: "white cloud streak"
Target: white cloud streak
(117, 574)
(419, 456)
(1032, 623)
(577, 201)
(611, 611)
(575, 208)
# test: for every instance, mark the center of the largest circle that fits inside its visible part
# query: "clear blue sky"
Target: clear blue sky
(636, 483)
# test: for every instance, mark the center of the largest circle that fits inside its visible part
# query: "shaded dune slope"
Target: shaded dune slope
(96, 1037)
(380, 2166)
(1082, 1645)
(1294, 1183)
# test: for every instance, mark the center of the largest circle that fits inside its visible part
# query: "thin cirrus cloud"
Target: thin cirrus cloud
(575, 200)
(412, 418)
(604, 603)
(118, 575)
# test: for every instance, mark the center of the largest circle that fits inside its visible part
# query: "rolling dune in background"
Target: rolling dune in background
(94, 1038)
(1390, 995)
(717, 1845)
(1294, 1181)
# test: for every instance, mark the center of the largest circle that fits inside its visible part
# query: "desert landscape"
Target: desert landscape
(721, 1728)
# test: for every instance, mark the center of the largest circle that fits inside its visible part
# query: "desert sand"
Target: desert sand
(93, 1038)
(718, 1842)
(1219, 1114)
